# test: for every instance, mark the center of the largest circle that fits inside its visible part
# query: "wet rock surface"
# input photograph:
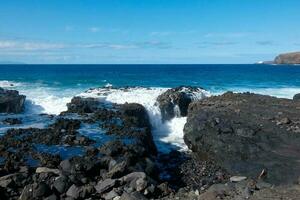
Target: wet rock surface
(296, 97)
(11, 101)
(124, 163)
(12, 121)
(174, 102)
(247, 134)
(123, 167)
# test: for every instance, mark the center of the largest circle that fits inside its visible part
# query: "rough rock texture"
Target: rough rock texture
(175, 101)
(11, 101)
(83, 105)
(288, 58)
(247, 134)
(127, 120)
(296, 97)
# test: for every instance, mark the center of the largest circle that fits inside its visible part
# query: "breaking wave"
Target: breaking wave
(169, 132)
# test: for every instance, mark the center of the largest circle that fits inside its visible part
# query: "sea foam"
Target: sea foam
(167, 135)
(9, 84)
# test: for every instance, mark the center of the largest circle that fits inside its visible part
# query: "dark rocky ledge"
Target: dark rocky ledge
(179, 97)
(11, 101)
(125, 165)
(247, 134)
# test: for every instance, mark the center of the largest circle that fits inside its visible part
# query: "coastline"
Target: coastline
(76, 140)
(123, 149)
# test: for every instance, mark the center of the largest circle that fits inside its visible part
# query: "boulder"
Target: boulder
(12, 121)
(35, 191)
(132, 196)
(83, 105)
(174, 102)
(106, 185)
(135, 114)
(244, 133)
(11, 101)
(296, 97)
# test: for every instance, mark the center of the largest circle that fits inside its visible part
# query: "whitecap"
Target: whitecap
(9, 84)
(169, 132)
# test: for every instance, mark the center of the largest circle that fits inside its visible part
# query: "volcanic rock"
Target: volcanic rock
(174, 102)
(241, 132)
(11, 101)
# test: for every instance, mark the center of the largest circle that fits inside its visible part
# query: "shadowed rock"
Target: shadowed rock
(11, 101)
(246, 134)
(174, 102)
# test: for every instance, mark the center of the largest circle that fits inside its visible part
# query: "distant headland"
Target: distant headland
(288, 58)
(292, 58)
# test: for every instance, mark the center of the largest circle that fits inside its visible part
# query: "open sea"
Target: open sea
(49, 88)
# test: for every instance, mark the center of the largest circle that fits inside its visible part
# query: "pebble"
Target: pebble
(237, 178)
(46, 170)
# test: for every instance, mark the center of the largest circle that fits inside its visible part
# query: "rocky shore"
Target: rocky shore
(244, 146)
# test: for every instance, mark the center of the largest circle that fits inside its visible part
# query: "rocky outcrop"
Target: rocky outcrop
(296, 97)
(174, 102)
(123, 167)
(83, 105)
(247, 134)
(11, 101)
(288, 58)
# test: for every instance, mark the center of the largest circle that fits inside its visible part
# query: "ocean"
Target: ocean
(49, 88)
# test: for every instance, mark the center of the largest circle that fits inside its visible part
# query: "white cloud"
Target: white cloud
(107, 45)
(18, 46)
(227, 35)
(94, 29)
(21, 45)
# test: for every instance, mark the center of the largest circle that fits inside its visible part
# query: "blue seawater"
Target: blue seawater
(49, 87)
(215, 78)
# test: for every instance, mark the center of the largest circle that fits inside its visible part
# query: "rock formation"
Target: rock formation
(175, 101)
(248, 134)
(11, 101)
(288, 58)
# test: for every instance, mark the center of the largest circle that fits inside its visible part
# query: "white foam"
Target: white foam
(42, 99)
(9, 84)
(108, 85)
(282, 92)
(170, 132)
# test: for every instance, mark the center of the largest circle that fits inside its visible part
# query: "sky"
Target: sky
(147, 31)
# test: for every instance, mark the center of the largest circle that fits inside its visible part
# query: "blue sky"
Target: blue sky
(147, 31)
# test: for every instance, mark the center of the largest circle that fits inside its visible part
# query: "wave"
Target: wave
(46, 100)
(9, 84)
(169, 132)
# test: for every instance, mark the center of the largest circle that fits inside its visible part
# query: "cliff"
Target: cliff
(288, 58)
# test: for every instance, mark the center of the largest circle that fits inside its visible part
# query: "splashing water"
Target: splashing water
(169, 132)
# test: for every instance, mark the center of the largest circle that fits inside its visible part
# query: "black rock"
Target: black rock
(132, 196)
(35, 191)
(174, 102)
(296, 97)
(11, 101)
(12, 121)
(61, 184)
(106, 185)
(42, 190)
(246, 134)
(74, 192)
(135, 115)
(83, 105)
